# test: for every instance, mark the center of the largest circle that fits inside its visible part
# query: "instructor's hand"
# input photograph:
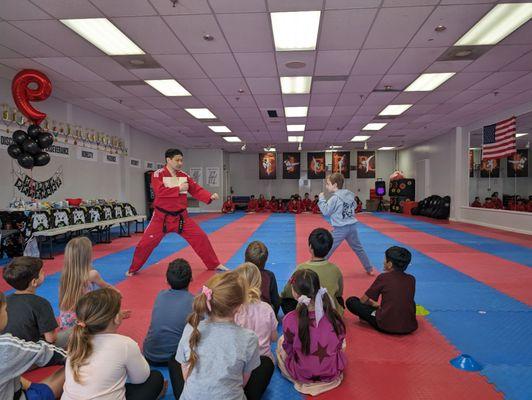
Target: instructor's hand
(183, 187)
(322, 194)
(215, 196)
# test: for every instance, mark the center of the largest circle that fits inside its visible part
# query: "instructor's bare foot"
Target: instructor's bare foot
(129, 273)
(222, 268)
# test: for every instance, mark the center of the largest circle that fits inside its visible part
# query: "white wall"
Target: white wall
(244, 176)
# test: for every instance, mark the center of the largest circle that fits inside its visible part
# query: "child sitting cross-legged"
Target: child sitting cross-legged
(310, 352)
(396, 312)
(18, 356)
(217, 359)
(257, 315)
(100, 360)
(169, 315)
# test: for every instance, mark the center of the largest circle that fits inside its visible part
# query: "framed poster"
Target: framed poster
(366, 164)
(135, 163)
(291, 165)
(149, 165)
(111, 159)
(341, 162)
(490, 168)
(87, 154)
(517, 164)
(212, 174)
(316, 165)
(268, 165)
(196, 173)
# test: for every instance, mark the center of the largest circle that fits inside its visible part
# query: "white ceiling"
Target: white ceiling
(363, 45)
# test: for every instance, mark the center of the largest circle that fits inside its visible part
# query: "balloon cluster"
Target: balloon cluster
(28, 148)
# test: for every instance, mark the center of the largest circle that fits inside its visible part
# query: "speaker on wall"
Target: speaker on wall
(380, 188)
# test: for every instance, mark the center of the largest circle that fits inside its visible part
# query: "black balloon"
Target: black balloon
(45, 140)
(25, 160)
(33, 131)
(41, 159)
(14, 151)
(19, 137)
(30, 146)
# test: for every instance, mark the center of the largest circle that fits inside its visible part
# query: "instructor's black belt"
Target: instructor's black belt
(173, 214)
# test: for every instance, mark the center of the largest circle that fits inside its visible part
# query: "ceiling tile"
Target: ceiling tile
(108, 89)
(8, 53)
(415, 60)
(151, 73)
(180, 66)
(463, 80)
(70, 68)
(247, 32)
(362, 83)
(25, 44)
(220, 65)
(326, 99)
(523, 63)
(335, 62)
(165, 7)
(69, 8)
(238, 6)
(151, 34)
(257, 64)
(296, 100)
(348, 4)
(497, 57)
(200, 87)
(327, 87)
(124, 8)
(269, 101)
(230, 86)
(21, 10)
(106, 67)
(497, 80)
(519, 85)
(294, 5)
(320, 111)
(345, 29)
(376, 61)
(285, 57)
(264, 85)
(190, 30)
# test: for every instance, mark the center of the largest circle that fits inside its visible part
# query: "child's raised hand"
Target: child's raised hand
(125, 314)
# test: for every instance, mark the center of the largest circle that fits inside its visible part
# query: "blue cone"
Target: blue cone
(466, 363)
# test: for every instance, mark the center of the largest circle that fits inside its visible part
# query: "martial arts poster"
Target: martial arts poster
(490, 169)
(366, 164)
(471, 164)
(341, 162)
(291, 165)
(517, 164)
(316, 165)
(267, 165)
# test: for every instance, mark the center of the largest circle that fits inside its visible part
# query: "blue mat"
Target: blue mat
(508, 251)
(514, 381)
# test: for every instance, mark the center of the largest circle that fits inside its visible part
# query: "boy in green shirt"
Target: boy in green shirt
(320, 242)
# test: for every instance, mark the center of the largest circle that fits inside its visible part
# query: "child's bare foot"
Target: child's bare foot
(222, 268)
(130, 273)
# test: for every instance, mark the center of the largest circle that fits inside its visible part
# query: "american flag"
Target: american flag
(499, 139)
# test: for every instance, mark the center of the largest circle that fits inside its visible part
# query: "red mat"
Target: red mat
(102, 250)
(508, 277)
(392, 367)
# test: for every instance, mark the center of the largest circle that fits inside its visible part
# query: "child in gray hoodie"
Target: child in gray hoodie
(18, 356)
(341, 208)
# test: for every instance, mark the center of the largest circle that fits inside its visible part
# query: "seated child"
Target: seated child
(169, 314)
(18, 356)
(253, 205)
(31, 317)
(77, 278)
(283, 206)
(294, 206)
(488, 203)
(273, 205)
(315, 206)
(306, 203)
(497, 203)
(228, 207)
(100, 360)
(261, 203)
(396, 312)
(257, 253)
(257, 315)
(476, 203)
(217, 359)
(310, 352)
(320, 242)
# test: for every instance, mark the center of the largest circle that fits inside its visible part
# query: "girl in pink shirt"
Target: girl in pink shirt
(257, 315)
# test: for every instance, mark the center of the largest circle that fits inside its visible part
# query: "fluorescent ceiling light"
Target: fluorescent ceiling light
(295, 111)
(386, 148)
(395, 109)
(168, 87)
(232, 139)
(502, 20)
(294, 31)
(295, 139)
(375, 126)
(220, 129)
(269, 149)
(520, 134)
(104, 35)
(360, 138)
(200, 113)
(295, 128)
(295, 84)
(428, 82)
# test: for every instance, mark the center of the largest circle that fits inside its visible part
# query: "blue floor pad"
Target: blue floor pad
(113, 266)
(514, 381)
(508, 251)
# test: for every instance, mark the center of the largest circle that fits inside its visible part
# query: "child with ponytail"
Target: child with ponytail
(310, 352)
(77, 278)
(257, 315)
(100, 360)
(217, 359)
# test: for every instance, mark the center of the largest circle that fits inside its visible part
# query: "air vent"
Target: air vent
(128, 83)
(141, 61)
(459, 53)
(332, 78)
(295, 65)
(272, 113)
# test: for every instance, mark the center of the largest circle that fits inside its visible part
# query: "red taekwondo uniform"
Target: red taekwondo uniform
(170, 215)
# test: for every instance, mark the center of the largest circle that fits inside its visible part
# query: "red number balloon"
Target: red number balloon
(23, 94)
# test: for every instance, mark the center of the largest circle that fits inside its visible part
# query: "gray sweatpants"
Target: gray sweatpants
(349, 233)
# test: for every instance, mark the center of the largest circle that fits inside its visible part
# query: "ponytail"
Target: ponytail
(332, 315)
(220, 297)
(303, 327)
(94, 311)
